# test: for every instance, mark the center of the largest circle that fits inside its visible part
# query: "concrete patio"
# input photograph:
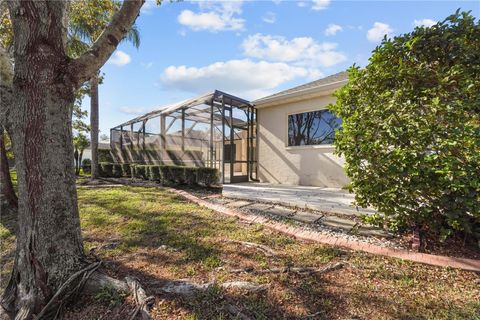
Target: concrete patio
(314, 198)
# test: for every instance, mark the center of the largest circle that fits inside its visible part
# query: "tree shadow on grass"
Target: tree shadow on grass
(276, 302)
(178, 240)
(137, 224)
(158, 237)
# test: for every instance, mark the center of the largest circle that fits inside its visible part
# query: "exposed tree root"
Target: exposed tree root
(260, 247)
(3, 314)
(91, 281)
(141, 299)
(98, 281)
(110, 244)
(301, 271)
(188, 289)
(179, 287)
(243, 285)
(182, 288)
(65, 292)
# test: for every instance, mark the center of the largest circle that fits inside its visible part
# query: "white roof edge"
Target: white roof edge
(175, 106)
(166, 109)
(320, 88)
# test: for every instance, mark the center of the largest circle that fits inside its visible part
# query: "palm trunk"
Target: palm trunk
(75, 157)
(80, 157)
(49, 246)
(94, 124)
(8, 198)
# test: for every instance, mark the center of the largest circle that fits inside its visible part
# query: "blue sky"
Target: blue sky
(250, 48)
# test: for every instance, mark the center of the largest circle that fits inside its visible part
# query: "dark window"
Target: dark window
(229, 153)
(311, 128)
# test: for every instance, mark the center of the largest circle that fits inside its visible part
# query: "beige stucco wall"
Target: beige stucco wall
(303, 165)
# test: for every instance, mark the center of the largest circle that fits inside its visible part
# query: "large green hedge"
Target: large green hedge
(112, 170)
(168, 175)
(104, 155)
(411, 129)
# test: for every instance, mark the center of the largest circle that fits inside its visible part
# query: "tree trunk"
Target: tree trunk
(49, 245)
(75, 157)
(80, 157)
(8, 198)
(38, 109)
(94, 124)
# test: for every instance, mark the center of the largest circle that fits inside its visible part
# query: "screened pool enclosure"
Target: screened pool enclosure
(214, 130)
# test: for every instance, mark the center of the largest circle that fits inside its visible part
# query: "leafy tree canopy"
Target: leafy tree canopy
(88, 20)
(411, 128)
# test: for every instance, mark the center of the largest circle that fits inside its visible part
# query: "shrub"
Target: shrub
(116, 170)
(191, 175)
(178, 174)
(154, 173)
(140, 171)
(166, 175)
(105, 169)
(207, 176)
(411, 129)
(126, 170)
(87, 165)
(104, 155)
(87, 169)
(132, 170)
(147, 172)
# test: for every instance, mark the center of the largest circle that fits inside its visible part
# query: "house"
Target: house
(284, 138)
(102, 145)
(295, 135)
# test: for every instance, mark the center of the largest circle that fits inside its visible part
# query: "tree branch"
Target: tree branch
(82, 68)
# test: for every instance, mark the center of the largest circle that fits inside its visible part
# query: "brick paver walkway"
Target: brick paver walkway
(300, 233)
(314, 198)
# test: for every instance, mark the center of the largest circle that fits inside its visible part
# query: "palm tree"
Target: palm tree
(83, 32)
(87, 21)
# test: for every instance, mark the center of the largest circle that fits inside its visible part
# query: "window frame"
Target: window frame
(308, 146)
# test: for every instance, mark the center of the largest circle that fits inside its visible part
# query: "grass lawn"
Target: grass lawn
(156, 236)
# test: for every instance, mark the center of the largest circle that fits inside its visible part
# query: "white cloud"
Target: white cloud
(320, 4)
(119, 58)
(214, 17)
(276, 1)
(270, 17)
(148, 7)
(300, 51)
(242, 77)
(332, 29)
(424, 23)
(316, 5)
(378, 31)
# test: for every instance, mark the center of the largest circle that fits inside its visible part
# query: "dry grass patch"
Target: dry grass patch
(157, 236)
